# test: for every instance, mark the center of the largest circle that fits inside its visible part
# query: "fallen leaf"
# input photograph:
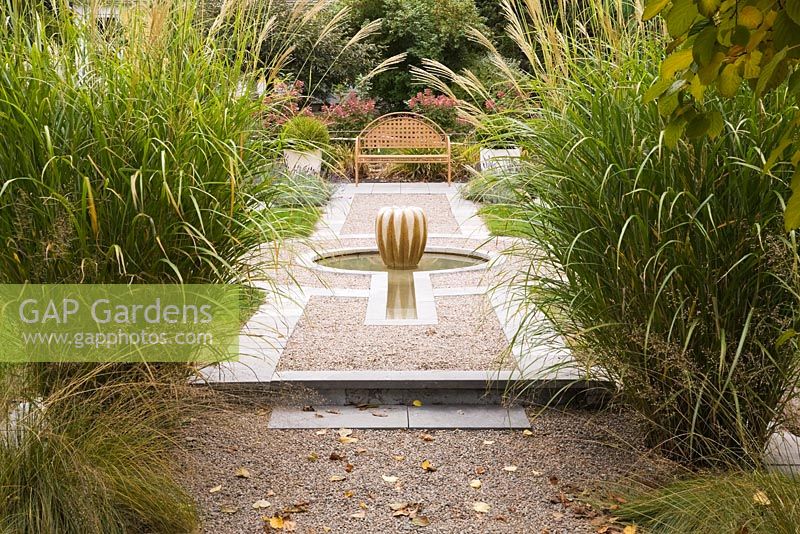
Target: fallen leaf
(313, 457)
(335, 456)
(215, 489)
(480, 470)
(630, 529)
(261, 504)
(346, 439)
(481, 507)
(398, 505)
(416, 403)
(363, 505)
(426, 437)
(389, 479)
(344, 432)
(276, 522)
(380, 414)
(308, 409)
(359, 515)
(527, 432)
(228, 509)
(334, 412)
(326, 529)
(536, 473)
(488, 442)
(348, 494)
(399, 458)
(348, 468)
(270, 493)
(421, 521)
(554, 480)
(298, 508)
(428, 466)
(337, 478)
(476, 483)
(510, 468)
(242, 473)
(321, 432)
(360, 451)
(761, 498)
(558, 516)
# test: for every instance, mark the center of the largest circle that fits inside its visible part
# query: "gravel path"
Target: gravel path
(291, 473)
(361, 218)
(331, 336)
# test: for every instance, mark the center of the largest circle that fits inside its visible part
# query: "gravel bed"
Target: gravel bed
(331, 336)
(291, 474)
(364, 209)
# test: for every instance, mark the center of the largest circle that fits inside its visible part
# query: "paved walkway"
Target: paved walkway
(329, 330)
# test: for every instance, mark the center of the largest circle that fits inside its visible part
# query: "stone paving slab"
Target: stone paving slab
(399, 416)
(783, 453)
(474, 417)
(339, 417)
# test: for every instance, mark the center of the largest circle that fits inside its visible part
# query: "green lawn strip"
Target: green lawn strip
(294, 222)
(505, 220)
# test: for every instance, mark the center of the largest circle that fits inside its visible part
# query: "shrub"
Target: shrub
(305, 133)
(351, 114)
(440, 109)
(300, 189)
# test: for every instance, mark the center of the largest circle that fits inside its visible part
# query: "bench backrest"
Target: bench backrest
(403, 130)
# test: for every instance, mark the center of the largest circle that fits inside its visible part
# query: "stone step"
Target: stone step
(399, 416)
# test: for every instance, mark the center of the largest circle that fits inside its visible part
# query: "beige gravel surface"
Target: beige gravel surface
(331, 336)
(292, 473)
(364, 209)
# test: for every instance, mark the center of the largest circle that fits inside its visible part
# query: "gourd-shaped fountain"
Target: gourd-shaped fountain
(401, 233)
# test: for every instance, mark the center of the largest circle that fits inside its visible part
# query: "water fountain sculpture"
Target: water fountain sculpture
(401, 233)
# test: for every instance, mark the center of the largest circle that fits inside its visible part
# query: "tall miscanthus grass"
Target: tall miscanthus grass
(130, 154)
(666, 272)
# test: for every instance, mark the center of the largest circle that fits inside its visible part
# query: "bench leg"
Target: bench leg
(357, 165)
(449, 172)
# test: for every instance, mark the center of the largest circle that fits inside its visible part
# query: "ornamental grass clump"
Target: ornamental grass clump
(666, 272)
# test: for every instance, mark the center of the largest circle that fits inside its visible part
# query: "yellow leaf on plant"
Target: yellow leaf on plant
(481, 507)
(761, 498)
(630, 529)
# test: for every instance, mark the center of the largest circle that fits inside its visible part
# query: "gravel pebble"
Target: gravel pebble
(364, 210)
(292, 469)
(331, 335)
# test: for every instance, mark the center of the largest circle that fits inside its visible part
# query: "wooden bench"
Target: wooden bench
(403, 131)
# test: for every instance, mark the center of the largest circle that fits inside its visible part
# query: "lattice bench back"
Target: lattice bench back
(402, 131)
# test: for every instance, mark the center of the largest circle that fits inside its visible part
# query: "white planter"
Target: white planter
(500, 159)
(310, 161)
